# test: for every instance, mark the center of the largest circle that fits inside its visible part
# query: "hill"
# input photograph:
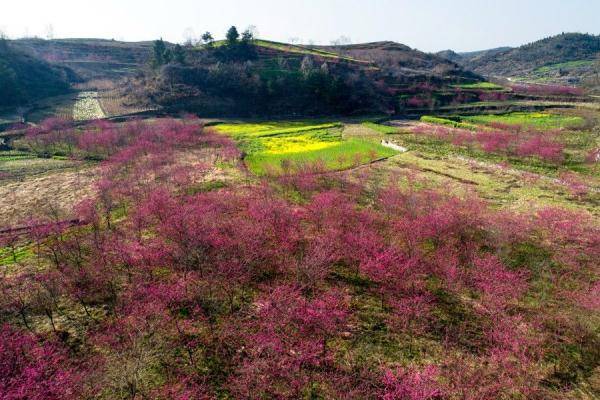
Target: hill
(90, 58)
(265, 77)
(465, 57)
(402, 61)
(24, 78)
(567, 58)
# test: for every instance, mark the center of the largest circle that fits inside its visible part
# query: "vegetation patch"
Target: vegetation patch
(381, 128)
(479, 86)
(218, 286)
(271, 147)
(14, 255)
(537, 120)
(569, 65)
(447, 122)
(335, 156)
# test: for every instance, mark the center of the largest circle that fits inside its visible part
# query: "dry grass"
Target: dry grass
(360, 131)
(114, 104)
(47, 194)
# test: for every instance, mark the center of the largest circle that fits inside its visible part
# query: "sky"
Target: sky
(428, 25)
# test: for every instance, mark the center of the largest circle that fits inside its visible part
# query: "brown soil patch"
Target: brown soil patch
(44, 195)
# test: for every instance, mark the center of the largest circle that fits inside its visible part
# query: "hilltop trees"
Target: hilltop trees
(224, 78)
(232, 36)
(236, 49)
(179, 55)
(207, 39)
(226, 72)
(161, 54)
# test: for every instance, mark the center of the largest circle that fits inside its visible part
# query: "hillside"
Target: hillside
(465, 57)
(567, 58)
(402, 61)
(258, 78)
(24, 78)
(90, 58)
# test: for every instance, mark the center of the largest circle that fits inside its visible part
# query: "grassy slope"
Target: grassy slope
(296, 49)
(91, 58)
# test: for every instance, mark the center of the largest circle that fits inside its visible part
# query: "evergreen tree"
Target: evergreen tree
(179, 54)
(232, 36)
(160, 50)
(168, 56)
(247, 37)
(207, 39)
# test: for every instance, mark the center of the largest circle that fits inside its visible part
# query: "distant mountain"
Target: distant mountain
(24, 78)
(451, 55)
(567, 58)
(403, 61)
(466, 57)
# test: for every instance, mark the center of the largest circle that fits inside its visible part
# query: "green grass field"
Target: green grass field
(448, 122)
(570, 65)
(381, 128)
(537, 120)
(10, 257)
(270, 146)
(14, 155)
(480, 86)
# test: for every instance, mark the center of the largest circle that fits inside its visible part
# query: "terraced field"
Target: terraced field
(480, 86)
(538, 120)
(519, 183)
(271, 147)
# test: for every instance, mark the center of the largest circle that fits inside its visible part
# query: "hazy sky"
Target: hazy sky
(428, 25)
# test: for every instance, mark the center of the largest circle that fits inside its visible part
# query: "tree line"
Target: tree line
(235, 47)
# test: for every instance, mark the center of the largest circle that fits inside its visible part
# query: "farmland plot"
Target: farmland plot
(87, 107)
(51, 193)
(271, 147)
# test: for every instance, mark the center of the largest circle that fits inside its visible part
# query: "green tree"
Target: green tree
(179, 54)
(247, 37)
(232, 36)
(160, 50)
(207, 39)
(9, 87)
(168, 56)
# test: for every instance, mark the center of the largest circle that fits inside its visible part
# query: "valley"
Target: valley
(250, 219)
